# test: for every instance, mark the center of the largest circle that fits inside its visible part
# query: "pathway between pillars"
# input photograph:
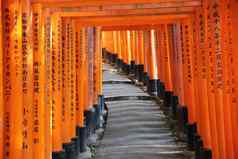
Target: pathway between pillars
(137, 128)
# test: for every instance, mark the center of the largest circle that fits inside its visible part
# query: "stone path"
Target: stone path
(136, 128)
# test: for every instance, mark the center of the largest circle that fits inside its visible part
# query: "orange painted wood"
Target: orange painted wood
(91, 46)
(192, 50)
(119, 44)
(99, 36)
(131, 27)
(56, 86)
(96, 70)
(12, 80)
(115, 42)
(179, 64)
(125, 46)
(148, 53)
(151, 50)
(218, 82)
(160, 52)
(48, 90)
(66, 87)
(229, 118)
(82, 79)
(211, 86)
(72, 77)
(122, 46)
(135, 42)
(137, 20)
(171, 53)
(167, 59)
(98, 61)
(129, 12)
(1, 84)
(27, 84)
(188, 70)
(85, 70)
(172, 43)
(232, 23)
(78, 3)
(89, 50)
(27, 68)
(196, 66)
(108, 40)
(128, 43)
(77, 74)
(141, 47)
(146, 48)
(132, 44)
(202, 79)
(39, 111)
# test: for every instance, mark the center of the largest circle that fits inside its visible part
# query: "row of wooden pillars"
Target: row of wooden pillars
(50, 83)
(191, 64)
(51, 77)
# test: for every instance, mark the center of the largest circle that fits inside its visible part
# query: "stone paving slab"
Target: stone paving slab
(111, 74)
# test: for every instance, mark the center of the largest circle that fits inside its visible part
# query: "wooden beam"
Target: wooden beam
(130, 20)
(129, 27)
(136, 6)
(79, 3)
(161, 11)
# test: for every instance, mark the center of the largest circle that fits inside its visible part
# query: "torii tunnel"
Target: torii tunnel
(73, 73)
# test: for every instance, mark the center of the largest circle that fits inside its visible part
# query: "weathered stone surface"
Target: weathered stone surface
(136, 129)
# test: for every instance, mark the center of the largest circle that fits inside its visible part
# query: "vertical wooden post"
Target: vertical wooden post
(72, 82)
(48, 80)
(180, 64)
(233, 38)
(141, 47)
(66, 80)
(1, 83)
(12, 80)
(77, 72)
(119, 45)
(204, 126)
(211, 84)
(225, 50)
(153, 52)
(150, 47)
(124, 42)
(39, 110)
(114, 39)
(79, 107)
(133, 56)
(135, 44)
(100, 62)
(56, 85)
(27, 84)
(167, 58)
(81, 81)
(90, 48)
(188, 67)
(160, 52)
(146, 45)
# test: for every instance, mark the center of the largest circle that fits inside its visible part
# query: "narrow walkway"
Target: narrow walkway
(136, 128)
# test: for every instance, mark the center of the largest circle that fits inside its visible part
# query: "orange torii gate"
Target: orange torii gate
(193, 49)
(187, 55)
